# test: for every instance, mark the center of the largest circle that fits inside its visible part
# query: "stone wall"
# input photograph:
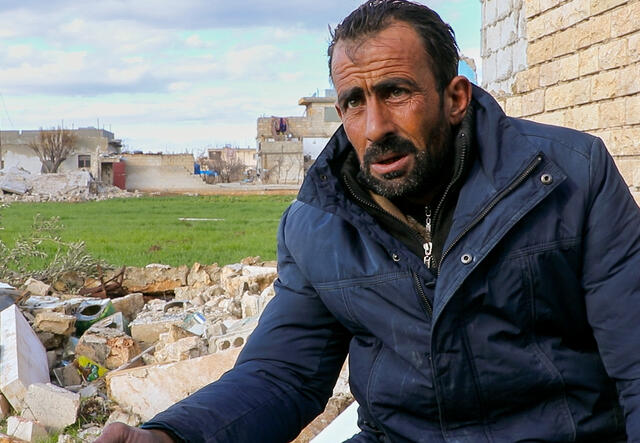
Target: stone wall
(582, 68)
(160, 172)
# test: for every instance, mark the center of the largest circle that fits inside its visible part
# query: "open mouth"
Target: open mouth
(391, 163)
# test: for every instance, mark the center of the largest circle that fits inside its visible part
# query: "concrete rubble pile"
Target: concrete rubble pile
(17, 184)
(160, 335)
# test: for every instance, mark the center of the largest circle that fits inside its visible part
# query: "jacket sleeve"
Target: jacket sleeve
(611, 279)
(283, 377)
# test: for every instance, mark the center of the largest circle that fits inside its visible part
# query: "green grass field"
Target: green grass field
(136, 232)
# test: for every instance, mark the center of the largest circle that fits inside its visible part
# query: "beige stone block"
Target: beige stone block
(527, 80)
(583, 118)
(540, 26)
(531, 8)
(566, 68)
(55, 322)
(613, 54)
(548, 4)
(633, 110)
(598, 6)
(595, 30)
(568, 94)
(571, 13)
(629, 168)
(625, 141)
(556, 118)
(564, 42)
(612, 114)
(533, 102)
(588, 61)
(540, 51)
(513, 106)
(52, 406)
(628, 79)
(144, 391)
(625, 20)
(604, 85)
(633, 42)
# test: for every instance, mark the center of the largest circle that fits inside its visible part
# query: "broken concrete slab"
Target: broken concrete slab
(130, 305)
(235, 337)
(36, 287)
(145, 391)
(68, 375)
(108, 347)
(52, 406)
(24, 429)
(23, 360)
(55, 322)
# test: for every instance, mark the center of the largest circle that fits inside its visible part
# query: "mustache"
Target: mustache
(390, 143)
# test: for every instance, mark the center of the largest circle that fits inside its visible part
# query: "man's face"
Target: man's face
(392, 112)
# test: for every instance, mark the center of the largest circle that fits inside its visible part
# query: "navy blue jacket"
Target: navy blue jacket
(534, 331)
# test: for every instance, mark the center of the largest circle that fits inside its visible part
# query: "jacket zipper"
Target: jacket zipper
(445, 194)
(426, 303)
(415, 233)
(517, 182)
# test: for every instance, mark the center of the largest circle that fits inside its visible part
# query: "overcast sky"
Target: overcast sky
(174, 76)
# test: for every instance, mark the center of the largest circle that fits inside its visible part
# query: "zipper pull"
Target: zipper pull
(428, 245)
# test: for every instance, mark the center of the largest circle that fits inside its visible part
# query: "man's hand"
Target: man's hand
(121, 433)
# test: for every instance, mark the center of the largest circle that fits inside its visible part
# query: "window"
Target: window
(84, 161)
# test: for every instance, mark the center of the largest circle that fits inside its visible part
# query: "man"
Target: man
(481, 271)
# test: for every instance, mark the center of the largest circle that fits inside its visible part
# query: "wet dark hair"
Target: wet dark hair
(375, 15)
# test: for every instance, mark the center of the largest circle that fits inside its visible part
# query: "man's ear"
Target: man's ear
(338, 110)
(457, 96)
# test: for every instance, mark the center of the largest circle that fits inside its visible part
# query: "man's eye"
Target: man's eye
(397, 92)
(353, 103)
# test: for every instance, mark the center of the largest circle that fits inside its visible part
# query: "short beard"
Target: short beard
(431, 166)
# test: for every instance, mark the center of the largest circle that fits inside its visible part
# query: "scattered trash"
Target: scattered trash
(91, 311)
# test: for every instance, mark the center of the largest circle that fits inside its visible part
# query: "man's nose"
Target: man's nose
(379, 121)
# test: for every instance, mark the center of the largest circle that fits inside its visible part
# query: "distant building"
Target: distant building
(97, 151)
(287, 145)
(246, 156)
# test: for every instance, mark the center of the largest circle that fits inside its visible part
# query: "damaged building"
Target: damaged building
(97, 151)
(288, 145)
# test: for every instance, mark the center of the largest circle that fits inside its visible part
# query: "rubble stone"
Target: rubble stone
(55, 322)
(154, 280)
(198, 276)
(252, 305)
(130, 305)
(23, 359)
(182, 349)
(36, 287)
(25, 429)
(122, 416)
(52, 406)
(145, 391)
(147, 326)
(108, 347)
(235, 337)
(5, 407)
